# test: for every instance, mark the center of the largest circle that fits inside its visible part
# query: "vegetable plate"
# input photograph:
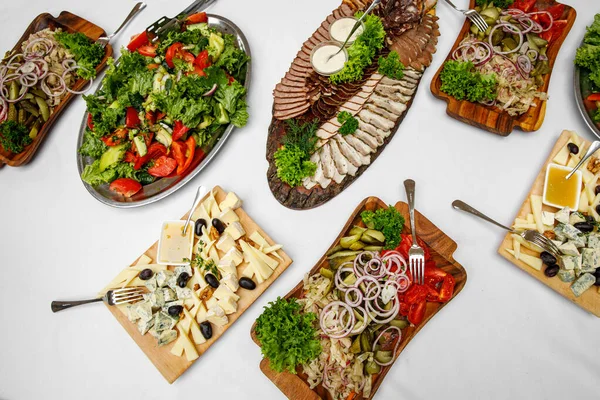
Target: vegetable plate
(55, 60)
(498, 79)
(587, 76)
(339, 331)
(163, 111)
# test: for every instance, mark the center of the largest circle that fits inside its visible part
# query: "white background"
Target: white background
(505, 336)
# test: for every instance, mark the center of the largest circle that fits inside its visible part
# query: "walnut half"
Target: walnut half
(594, 165)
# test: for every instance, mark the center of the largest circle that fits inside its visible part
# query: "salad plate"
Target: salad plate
(70, 23)
(553, 222)
(166, 185)
(439, 250)
(584, 88)
(197, 306)
(328, 128)
(494, 118)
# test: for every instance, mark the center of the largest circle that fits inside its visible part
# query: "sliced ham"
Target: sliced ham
(388, 104)
(367, 139)
(373, 131)
(376, 120)
(382, 113)
(327, 161)
(359, 145)
(351, 154)
(323, 134)
(319, 177)
(341, 163)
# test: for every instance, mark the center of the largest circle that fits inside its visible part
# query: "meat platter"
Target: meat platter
(377, 102)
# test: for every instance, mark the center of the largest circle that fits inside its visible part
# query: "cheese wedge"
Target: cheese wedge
(536, 208)
(532, 261)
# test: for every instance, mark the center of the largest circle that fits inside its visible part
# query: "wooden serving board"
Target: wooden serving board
(442, 250)
(590, 300)
(491, 118)
(69, 23)
(170, 366)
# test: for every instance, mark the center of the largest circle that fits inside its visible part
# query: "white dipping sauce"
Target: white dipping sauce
(320, 56)
(341, 28)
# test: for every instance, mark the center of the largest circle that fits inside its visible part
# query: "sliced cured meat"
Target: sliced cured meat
(319, 177)
(287, 114)
(382, 113)
(368, 139)
(388, 104)
(327, 161)
(298, 100)
(415, 75)
(323, 134)
(351, 154)
(373, 131)
(341, 163)
(283, 88)
(288, 106)
(359, 145)
(376, 120)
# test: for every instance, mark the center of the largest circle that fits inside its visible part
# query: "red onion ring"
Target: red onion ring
(211, 91)
(3, 110)
(58, 91)
(4, 89)
(73, 69)
(395, 347)
(343, 329)
(515, 30)
(48, 48)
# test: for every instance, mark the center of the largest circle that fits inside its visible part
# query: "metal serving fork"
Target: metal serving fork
(112, 298)
(416, 255)
(165, 24)
(531, 236)
(104, 40)
(473, 15)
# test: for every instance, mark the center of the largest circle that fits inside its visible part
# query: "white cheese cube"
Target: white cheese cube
(227, 267)
(225, 243)
(231, 281)
(548, 218)
(229, 305)
(234, 255)
(201, 313)
(210, 303)
(563, 215)
(582, 284)
(224, 292)
(569, 249)
(231, 201)
(575, 218)
(217, 316)
(236, 230)
(229, 216)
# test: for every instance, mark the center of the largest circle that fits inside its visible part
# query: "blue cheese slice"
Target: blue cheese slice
(163, 322)
(563, 215)
(575, 218)
(548, 218)
(571, 263)
(569, 249)
(183, 293)
(567, 231)
(144, 326)
(144, 310)
(162, 277)
(566, 275)
(157, 299)
(579, 242)
(132, 314)
(183, 268)
(593, 241)
(169, 294)
(151, 284)
(590, 260)
(583, 283)
(167, 337)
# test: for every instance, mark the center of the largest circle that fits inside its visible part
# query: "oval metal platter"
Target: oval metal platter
(165, 186)
(580, 93)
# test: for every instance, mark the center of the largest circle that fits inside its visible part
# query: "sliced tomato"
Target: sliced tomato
(178, 149)
(189, 155)
(417, 312)
(138, 41)
(125, 186)
(151, 117)
(524, 5)
(153, 66)
(556, 11)
(203, 60)
(198, 71)
(115, 138)
(130, 157)
(197, 18)
(155, 150)
(594, 97)
(171, 51)
(132, 120)
(90, 122)
(163, 166)
(148, 50)
(160, 115)
(179, 130)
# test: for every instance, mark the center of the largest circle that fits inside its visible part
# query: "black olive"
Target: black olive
(584, 227)
(175, 310)
(590, 218)
(247, 283)
(219, 225)
(598, 208)
(551, 270)
(200, 223)
(597, 275)
(183, 279)
(212, 280)
(597, 190)
(146, 274)
(548, 258)
(573, 148)
(206, 329)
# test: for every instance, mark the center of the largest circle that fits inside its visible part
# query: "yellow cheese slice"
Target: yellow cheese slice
(536, 208)
(526, 244)
(516, 248)
(532, 261)
(144, 260)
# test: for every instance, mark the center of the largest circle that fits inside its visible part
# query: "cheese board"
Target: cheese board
(536, 215)
(173, 359)
(441, 249)
(327, 130)
(494, 118)
(67, 22)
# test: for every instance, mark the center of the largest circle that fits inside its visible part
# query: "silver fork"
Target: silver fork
(112, 298)
(416, 255)
(104, 40)
(473, 16)
(530, 235)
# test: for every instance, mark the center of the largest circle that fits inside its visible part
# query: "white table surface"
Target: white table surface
(505, 336)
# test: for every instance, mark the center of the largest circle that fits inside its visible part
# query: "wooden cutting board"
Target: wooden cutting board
(442, 250)
(69, 23)
(170, 366)
(590, 300)
(492, 119)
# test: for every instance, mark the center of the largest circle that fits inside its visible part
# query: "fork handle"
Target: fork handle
(452, 5)
(134, 11)
(409, 186)
(63, 305)
(462, 206)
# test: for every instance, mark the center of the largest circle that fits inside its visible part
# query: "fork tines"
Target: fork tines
(417, 268)
(126, 295)
(477, 19)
